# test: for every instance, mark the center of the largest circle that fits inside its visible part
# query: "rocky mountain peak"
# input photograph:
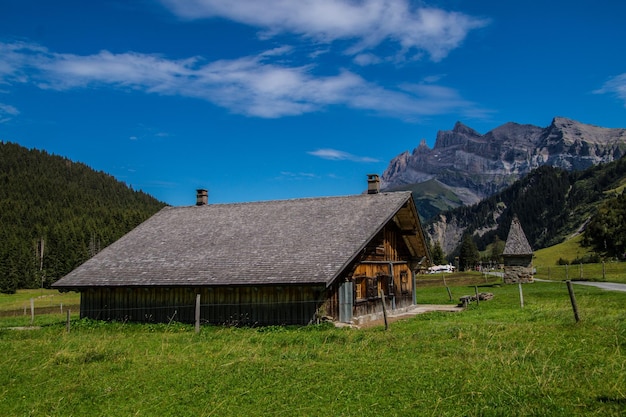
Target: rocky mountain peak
(461, 129)
(476, 166)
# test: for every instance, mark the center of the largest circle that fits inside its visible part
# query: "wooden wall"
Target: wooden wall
(261, 305)
(383, 266)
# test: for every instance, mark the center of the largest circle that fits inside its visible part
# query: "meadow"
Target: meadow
(493, 359)
(547, 267)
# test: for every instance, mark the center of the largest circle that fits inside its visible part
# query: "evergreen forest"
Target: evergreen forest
(55, 214)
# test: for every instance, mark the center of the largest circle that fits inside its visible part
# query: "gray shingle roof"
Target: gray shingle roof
(516, 242)
(275, 242)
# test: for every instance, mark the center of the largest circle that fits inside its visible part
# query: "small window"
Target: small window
(360, 288)
(404, 282)
(372, 288)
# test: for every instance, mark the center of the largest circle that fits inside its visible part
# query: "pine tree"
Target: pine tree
(439, 257)
(496, 250)
(469, 255)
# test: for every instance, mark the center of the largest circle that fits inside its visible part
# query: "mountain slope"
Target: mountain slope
(74, 210)
(551, 203)
(475, 166)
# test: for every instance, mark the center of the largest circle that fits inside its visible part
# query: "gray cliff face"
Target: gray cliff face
(478, 166)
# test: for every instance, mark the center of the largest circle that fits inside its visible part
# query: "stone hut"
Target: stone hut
(518, 256)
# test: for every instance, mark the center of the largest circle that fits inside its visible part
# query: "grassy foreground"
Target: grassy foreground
(493, 359)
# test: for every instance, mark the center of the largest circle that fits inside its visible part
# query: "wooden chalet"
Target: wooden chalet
(517, 256)
(262, 263)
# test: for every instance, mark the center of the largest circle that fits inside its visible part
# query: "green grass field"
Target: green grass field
(569, 249)
(545, 262)
(494, 359)
(42, 298)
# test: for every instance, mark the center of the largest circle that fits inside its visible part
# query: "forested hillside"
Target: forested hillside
(551, 204)
(55, 214)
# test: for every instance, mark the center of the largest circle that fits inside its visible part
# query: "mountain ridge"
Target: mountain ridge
(475, 166)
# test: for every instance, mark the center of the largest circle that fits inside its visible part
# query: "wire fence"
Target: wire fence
(230, 313)
(605, 271)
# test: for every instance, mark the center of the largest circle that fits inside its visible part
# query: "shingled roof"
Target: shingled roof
(516, 242)
(303, 241)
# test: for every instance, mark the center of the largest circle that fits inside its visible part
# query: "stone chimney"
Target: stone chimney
(202, 197)
(373, 184)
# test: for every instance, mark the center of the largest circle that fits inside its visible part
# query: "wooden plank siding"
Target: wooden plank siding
(384, 266)
(234, 305)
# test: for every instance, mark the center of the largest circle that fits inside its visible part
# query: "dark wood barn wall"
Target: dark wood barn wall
(261, 305)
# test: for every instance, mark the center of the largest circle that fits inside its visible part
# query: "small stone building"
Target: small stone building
(518, 256)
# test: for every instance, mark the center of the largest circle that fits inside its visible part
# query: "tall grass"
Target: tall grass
(493, 359)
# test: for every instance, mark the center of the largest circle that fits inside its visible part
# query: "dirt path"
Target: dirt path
(404, 314)
(609, 286)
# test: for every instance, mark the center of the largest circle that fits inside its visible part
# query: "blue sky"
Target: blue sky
(273, 99)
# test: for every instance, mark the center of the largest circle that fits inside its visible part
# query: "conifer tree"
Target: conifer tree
(439, 258)
(469, 255)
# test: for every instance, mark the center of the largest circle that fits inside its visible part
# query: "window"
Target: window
(365, 288)
(372, 288)
(360, 288)
(404, 282)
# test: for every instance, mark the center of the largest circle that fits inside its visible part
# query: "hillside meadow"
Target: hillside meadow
(547, 266)
(493, 359)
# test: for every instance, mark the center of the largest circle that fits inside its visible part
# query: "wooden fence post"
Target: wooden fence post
(197, 313)
(32, 311)
(572, 298)
(521, 295)
(414, 284)
(443, 276)
(382, 296)
(476, 291)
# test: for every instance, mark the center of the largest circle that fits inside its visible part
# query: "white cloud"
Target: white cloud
(366, 59)
(7, 112)
(335, 155)
(8, 109)
(615, 86)
(288, 175)
(260, 86)
(367, 23)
